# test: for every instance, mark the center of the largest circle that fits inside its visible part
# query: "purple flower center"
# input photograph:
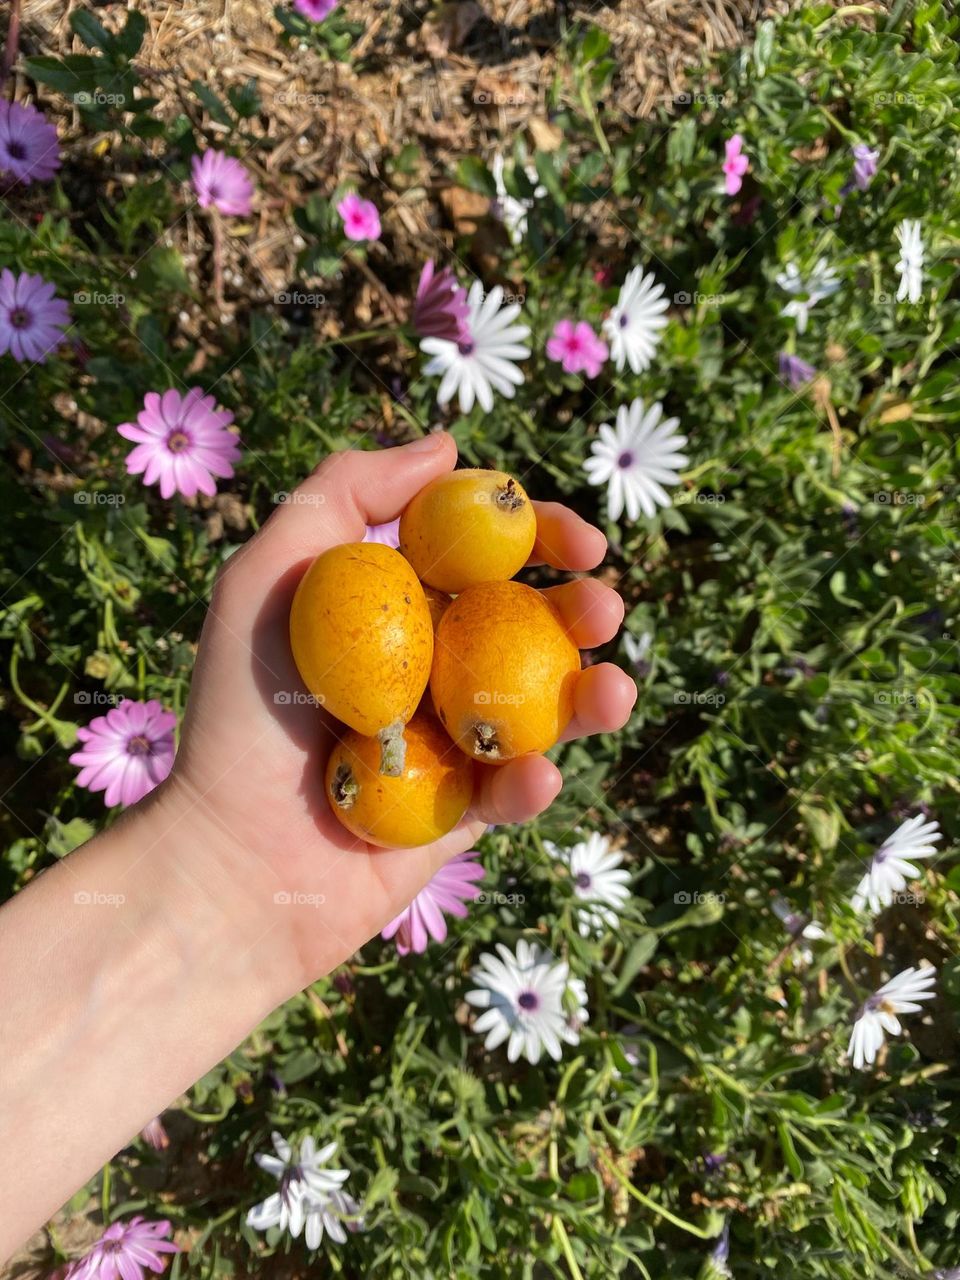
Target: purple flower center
(623, 321)
(582, 880)
(291, 1177)
(626, 459)
(466, 347)
(177, 441)
(528, 1000)
(20, 318)
(16, 151)
(139, 746)
(213, 191)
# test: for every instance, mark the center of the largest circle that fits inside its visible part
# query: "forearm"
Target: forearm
(126, 972)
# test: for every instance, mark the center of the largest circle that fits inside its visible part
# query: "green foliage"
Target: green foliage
(799, 696)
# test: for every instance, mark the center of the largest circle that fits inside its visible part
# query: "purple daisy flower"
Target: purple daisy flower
(127, 752)
(864, 164)
(223, 182)
(124, 1251)
(440, 309)
(182, 442)
(454, 885)
(315, 10)
(795, 372)
(32, 317)
(388, 534)
(361, 221)
(29, 150)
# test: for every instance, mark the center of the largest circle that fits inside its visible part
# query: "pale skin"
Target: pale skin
(137, 963)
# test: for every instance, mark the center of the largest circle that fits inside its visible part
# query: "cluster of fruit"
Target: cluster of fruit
(373, 628)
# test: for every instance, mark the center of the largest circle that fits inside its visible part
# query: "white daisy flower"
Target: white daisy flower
(328, 1214)
(879, 1012)
(636, 459)
(637, 647)
(521, 997)
(891, 867)
(910, 266)
(481, 363)
(304, 1184)
(806, 293)
(510, 210)
(634, 324)
(597, 881)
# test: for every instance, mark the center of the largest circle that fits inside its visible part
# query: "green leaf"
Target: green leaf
(473, 174)
(93, 34)
(62, 838)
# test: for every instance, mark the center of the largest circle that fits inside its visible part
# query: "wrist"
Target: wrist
(217, 901)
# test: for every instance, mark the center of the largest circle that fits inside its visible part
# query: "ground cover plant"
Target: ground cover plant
(727, 333)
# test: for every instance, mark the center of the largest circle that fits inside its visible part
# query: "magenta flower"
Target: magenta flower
(32, 317)
(124, 1250)
(454, 885)
(795, 372)
(29, 150)
(440, 309)
(360, 218)
(127, 752)
(388, 534)
(315, 10)
(222, 181)
(155, 1135)
(182, 442)
(735, 164)
(577, 348)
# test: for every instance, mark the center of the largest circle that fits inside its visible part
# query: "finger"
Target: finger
(348, 491)
(566, 541)
(590, 612)
(602, 701)
(517, 790)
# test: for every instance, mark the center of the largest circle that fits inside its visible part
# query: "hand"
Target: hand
(249, 772)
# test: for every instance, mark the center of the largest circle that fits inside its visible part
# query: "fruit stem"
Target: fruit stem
(393, 749)
(508, 497)
(485, 740)
(345, 787)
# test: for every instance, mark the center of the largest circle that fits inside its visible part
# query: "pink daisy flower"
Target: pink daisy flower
(32, 317)
(29, 150)
(577, 347)
(360, 218)
(388, 534)
(182, 442)
(127, 752)
(440, 309)
(223, 182)
(735, 164)
(124, 1251)
(315, 10)
(454, 885)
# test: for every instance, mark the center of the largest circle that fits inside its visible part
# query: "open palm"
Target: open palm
(250, 768)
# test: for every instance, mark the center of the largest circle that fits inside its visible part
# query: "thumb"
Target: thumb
(350, 490)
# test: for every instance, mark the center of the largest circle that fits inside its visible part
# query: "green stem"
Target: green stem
(560, 1231)
(365, 335)
(659, 1209)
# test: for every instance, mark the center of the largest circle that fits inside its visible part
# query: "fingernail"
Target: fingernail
(426, 444)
